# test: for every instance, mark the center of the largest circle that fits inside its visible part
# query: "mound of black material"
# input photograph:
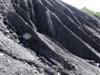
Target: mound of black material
(66, 39)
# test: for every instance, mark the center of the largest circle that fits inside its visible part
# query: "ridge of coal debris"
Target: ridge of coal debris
(48, 37)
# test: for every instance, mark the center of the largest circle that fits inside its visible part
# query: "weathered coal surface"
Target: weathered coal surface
(48, 37)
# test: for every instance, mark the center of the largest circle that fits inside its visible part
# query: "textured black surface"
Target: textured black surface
(65, 39)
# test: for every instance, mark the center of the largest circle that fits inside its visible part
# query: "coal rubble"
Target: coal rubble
(48, 37)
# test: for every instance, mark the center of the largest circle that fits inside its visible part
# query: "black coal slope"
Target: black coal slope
(61, 22)
(57, 31)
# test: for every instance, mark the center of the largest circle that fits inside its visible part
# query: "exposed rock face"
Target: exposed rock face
(47, 37)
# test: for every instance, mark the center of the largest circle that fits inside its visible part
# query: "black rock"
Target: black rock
(63, 35)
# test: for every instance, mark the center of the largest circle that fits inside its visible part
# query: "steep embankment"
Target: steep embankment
(47, 37)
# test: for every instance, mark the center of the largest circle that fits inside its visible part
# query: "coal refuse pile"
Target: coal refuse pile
(48, 37)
